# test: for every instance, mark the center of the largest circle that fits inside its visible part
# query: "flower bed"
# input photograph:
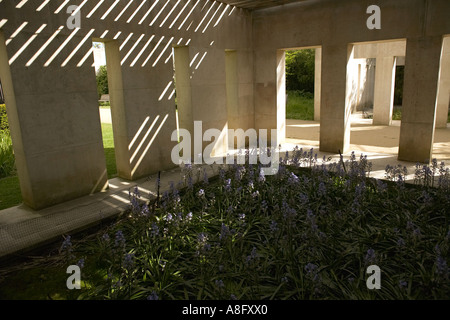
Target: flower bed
(304, 233)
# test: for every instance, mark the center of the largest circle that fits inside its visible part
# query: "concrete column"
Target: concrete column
(148, 91)
(232, 87)
(281, 96)
(183, 90)
(317, 83)
(54, 119)
(419, 99)
(118, 112)
(384, 90)
(443, 97)
(335, 110)
(269, 73)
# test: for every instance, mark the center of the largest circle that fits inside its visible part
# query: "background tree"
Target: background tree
(300, 65)
(102, 81)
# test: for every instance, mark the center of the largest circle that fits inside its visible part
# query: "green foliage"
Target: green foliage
(7, 159)
(102, 81)
(300, 105)
(308, 232)
(10, 194)
(300, 66)
(398, 91)
(4, 125)
(108, 145)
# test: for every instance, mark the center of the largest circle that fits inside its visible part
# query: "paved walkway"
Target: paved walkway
(22, 228)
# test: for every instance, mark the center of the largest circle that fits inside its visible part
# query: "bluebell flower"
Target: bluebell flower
(233, 297)
(273, 226)
(370, 256)
(261, 177)
(409, 225)
(322, 190)
(105, 237)
(202, 239)
(303, 198)
(253, 255)
(228, 185)
(224, 232)
(189, 216)
(222, 174)
(190, 182)
(311, 268)
(153, 296)
(136, 192)
(67, 244)
(441, 266)
(293, 179)
(120, 239)
(312, 272)
(219, 283)
(154, 230)
(400, 242)
(402, 284)
(264, 206)
(80, 263)
(145, 210)
(128, 261)
(201, 193)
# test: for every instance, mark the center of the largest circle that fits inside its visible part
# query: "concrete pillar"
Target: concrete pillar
(419, 99)
(281, 96)
(54, 119)
(118, 112)
(335, 110)
(149, 111)
(317, 83)
(231, 71)
(384, 90)
(270, 96)
(443, 97)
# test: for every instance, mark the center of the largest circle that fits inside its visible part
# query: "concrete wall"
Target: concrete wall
(232, 65)
(50, 87)
(336, 25)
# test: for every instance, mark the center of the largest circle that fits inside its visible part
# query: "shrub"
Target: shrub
(7, 159)
(4, 125)
(300, 68)
(102, 81)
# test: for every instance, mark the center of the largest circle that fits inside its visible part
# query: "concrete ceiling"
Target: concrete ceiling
(257, 4)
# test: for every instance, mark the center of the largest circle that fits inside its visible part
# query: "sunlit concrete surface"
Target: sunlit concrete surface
(379, 143)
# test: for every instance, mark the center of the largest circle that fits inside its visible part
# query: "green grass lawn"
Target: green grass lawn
(11, 196)
(299, 106)
(108, 145)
